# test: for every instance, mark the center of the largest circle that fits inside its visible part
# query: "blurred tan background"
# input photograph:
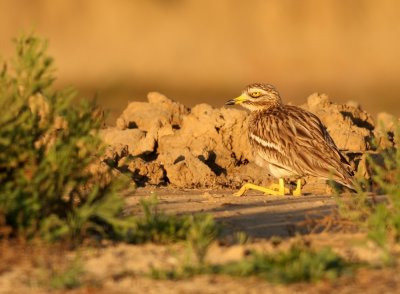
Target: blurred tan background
(207, 51)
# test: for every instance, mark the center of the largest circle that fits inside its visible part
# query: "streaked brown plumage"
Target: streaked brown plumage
(290, 141)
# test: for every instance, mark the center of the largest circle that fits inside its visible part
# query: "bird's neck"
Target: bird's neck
(266, 106)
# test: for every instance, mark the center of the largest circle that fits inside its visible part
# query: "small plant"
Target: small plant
(202, 233)
(158, 227)
(67, 277)
(55, 271)
(379, 217)
(298, 264)
(53, 185)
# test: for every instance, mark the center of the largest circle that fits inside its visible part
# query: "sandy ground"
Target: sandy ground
(122, 268)
(260, 216)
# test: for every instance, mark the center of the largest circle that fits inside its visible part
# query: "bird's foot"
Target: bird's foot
(278, 187)
(274, 189)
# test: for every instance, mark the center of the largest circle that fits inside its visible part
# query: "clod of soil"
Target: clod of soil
(350, 127)
(167, 143)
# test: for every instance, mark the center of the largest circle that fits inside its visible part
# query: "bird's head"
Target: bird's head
(257, 96)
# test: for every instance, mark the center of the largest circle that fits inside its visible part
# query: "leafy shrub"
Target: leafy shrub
(52, 183)
(378, 216)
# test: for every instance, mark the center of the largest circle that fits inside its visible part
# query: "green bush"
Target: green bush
(53, 185)
(379, 217)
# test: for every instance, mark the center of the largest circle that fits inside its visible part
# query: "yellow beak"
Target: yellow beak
(237, 100)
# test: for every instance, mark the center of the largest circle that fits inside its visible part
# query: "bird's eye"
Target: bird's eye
(255, 94)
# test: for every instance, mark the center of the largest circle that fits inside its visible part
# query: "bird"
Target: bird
(289, 142)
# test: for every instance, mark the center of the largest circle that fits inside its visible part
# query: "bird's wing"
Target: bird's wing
(296, 140)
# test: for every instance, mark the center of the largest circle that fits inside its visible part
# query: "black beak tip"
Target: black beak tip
(230, 102)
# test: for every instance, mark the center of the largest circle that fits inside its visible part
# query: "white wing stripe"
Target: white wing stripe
(265, 143)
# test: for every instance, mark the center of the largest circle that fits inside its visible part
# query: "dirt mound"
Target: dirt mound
(350, 127)
(161, 142)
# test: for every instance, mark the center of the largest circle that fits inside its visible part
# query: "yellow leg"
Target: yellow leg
(274, 189)
(279, 186)
(297, 191)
